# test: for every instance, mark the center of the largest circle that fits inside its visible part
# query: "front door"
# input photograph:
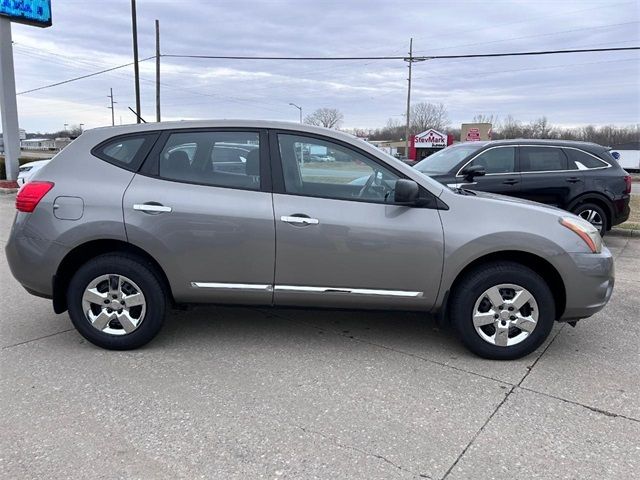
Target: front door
(341, 241)
(199, 209)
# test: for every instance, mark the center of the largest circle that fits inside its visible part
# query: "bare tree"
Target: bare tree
(428, 115)
(325, 117)
(482, 118)
(540, 128)
(511, 128)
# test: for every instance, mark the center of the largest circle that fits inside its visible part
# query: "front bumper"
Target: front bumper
(589, 280)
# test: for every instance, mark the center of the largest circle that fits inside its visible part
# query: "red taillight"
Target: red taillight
(627, 182)
(30, 195)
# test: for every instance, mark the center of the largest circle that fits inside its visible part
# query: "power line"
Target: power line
(83, 76)
(415, 58)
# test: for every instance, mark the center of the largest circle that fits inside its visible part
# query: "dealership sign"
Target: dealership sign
(31, 12)
(430, 139)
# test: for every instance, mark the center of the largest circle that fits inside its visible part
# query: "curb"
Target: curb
(8, 191)
(623, 232)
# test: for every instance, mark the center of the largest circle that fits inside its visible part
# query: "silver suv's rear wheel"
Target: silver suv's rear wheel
(114, 304)
(116, 301)
(502, 310)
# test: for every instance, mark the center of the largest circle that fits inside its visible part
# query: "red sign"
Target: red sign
(473, 135)
(430, 139)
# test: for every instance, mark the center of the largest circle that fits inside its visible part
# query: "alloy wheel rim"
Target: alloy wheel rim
(505, 315)
(593, 217)
(114, 304)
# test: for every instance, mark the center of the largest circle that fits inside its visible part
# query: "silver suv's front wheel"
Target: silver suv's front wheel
(502, 310)
(116, 301)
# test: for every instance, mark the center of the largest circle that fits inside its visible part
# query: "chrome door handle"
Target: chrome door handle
(301, 220)
(151, 208)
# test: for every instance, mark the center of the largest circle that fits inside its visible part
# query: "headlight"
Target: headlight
(587, 232)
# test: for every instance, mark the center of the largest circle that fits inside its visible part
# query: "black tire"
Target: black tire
(479, 280)
(138, 271)
(583, 208)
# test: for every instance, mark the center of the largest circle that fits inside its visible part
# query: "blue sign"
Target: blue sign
(31, 12)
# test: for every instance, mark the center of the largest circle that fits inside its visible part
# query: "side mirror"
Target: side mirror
(406, 192)
(475, 171)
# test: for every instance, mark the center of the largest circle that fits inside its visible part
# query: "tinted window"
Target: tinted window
(448, 158)
(126, 151)
(223, 159)
(497, 160)
(583, 160)
(320, 168)
(542, 159)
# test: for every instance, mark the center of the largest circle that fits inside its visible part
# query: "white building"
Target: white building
(627, 155)
(38, 144)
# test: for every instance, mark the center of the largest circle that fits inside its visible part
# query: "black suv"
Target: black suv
(580, 177)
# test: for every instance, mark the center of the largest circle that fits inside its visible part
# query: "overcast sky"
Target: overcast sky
(573, 89)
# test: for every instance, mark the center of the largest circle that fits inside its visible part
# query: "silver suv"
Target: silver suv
(129, 221)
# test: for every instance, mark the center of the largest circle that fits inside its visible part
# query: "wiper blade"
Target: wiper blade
(463, 191)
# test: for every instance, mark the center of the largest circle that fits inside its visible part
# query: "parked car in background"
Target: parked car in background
(580, 177)
(118, 238)
(26, 171)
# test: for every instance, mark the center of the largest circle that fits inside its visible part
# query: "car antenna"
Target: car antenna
(134, 112)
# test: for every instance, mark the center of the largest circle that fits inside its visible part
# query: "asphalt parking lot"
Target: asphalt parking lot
(288, 393)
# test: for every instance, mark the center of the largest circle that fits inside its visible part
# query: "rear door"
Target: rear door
(548, 176)
(502, 176)
(341, 242)
(201, 206)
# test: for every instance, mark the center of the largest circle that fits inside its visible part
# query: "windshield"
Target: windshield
(444, 160)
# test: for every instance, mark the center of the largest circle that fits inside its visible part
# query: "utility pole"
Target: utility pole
(406, 130)
(157, 70)
(113, 117)
(410, 59)
(136, 69)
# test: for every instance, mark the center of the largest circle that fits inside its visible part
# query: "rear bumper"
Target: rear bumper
(33, 262)
(589, 284)
(622, 210)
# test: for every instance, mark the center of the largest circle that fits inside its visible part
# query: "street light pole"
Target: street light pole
(299, 108)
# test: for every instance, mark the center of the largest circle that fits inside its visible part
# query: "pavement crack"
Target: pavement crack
(530, 369)
(36, 339)
(359, 450)
(588, 407)
(401, 352)
(495, 411)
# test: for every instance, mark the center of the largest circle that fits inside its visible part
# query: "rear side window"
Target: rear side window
(127, 151)
(582, 160)
(542, 159)
(216, 158)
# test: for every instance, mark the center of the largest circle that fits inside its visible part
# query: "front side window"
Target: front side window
(216, 158)
(447, 158)
(582, 160)
(542, 159)
(322, 168)
(497, 160)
